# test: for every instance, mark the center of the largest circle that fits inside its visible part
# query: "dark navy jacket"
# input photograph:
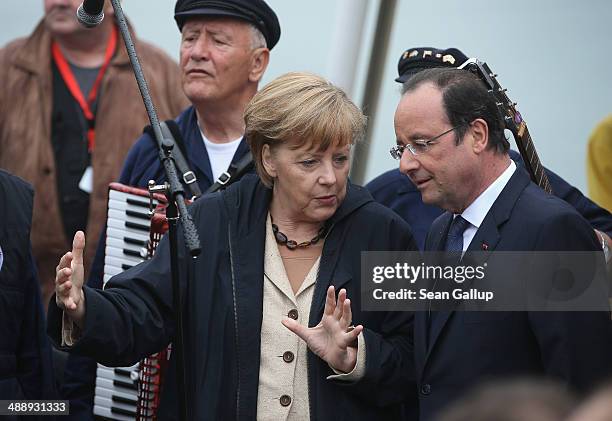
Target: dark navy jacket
(470, 347)
(395, 190)
(223, 310)
(25, 354)
(142, 164)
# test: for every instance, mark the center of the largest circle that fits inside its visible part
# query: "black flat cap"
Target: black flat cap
(416, 59)
(256, 12)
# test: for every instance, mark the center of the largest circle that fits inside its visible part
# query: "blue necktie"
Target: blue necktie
(454, 240)
(454, 245)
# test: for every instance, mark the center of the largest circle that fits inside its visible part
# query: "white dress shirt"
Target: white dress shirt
(476, 212)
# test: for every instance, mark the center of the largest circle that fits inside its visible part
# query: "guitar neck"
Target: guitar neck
(513, 121)
(531, 158)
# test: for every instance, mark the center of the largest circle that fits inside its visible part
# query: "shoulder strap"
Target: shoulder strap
(170, 129)
(176, 134)
(235, 171)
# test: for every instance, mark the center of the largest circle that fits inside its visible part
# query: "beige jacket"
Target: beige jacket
(282, 393)
(25, 133)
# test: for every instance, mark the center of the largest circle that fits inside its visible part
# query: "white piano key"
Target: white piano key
(120, 254)
(112, 270)
(109, 393)
(139, 218)
(118, 263)
(121, 225)
(107, 402)
(112, 376)
(123, 205)
(110, 403)
(112, 232)
(107, 413)
(122, 243)
(123, 196)
(125, 373)
(111, 384)
(129, 213)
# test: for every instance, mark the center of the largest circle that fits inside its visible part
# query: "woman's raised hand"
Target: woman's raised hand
(333, 339)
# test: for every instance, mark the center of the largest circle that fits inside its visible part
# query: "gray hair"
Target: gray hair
(257, 38)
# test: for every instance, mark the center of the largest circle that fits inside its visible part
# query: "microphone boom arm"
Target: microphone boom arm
(191, 236)
(175, 197)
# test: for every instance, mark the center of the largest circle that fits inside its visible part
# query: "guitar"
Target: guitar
(513, 121)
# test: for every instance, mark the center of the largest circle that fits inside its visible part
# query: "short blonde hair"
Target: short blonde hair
(302, 108)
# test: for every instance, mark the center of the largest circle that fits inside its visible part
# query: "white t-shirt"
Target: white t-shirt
(220, 154)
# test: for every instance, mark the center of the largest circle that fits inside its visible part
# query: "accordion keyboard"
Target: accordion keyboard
(127, 238)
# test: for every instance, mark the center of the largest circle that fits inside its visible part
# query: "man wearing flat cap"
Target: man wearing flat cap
(395, 190)
(225, 49)
(224, 52)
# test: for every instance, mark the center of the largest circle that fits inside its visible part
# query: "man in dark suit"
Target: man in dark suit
(394, 190)
(452, 147)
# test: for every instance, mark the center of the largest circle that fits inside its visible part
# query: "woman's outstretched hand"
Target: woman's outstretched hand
(334, 339)
(69, 276)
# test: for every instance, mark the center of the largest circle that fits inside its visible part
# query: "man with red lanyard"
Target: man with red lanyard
(75, 98)
(69, 111)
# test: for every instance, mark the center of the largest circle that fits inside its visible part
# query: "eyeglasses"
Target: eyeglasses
(419, 146)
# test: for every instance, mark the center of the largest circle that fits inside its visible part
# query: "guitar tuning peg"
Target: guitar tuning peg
(514, 104)
(499, 104)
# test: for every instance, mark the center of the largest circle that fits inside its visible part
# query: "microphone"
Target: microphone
(90, 13)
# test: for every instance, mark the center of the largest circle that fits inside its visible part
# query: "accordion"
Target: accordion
(136, 222)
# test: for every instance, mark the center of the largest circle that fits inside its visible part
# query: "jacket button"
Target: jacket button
(288, 356)
(426, 389)
(293, 314)
(285, 400)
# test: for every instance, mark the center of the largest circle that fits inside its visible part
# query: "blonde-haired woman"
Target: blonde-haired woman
(268, 312)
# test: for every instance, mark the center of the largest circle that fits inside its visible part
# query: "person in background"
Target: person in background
(395, 190)
(26, 370)
(274, 326)
(70, 109)
(599, 164)
(514, 400)
(224, 52)
(597, 407)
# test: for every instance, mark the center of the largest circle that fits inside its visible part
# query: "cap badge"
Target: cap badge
(448, 58)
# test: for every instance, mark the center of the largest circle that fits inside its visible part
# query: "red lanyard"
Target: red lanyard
(75, 89)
